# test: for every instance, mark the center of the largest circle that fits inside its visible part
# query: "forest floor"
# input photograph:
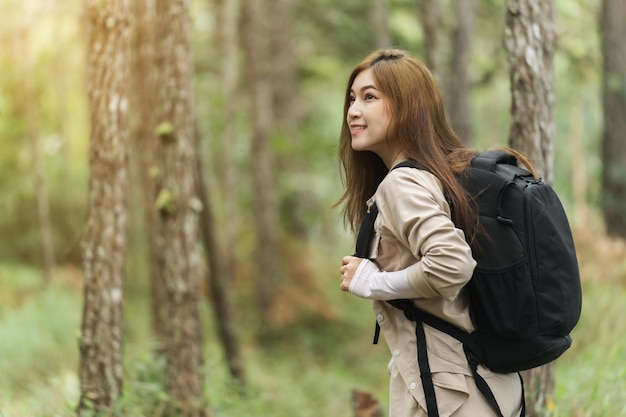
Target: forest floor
(309, 368)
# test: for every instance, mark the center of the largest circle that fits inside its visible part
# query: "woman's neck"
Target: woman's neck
(394, 160)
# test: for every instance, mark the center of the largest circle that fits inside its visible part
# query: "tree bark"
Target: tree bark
(529, 39)
(105, 240)
(228, 44)
(221, 298)
(458, 85)
(178, 206)
(221, 258)
(614, 111)
(380, 17)
(287, 114)
(283, 73)
(265, 194)
(428, 14)
(144, 141)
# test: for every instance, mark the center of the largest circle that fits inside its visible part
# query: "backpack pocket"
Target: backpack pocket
(503, 302)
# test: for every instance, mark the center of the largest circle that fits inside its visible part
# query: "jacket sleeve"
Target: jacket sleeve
(418, 215)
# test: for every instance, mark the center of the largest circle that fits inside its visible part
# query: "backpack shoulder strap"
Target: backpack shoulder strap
(409, 164)
(365, 232)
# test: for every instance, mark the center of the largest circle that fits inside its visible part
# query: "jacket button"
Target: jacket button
(413, 385)
(396, 352)
(380, 318)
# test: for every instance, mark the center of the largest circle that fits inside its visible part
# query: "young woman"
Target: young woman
(421, 249)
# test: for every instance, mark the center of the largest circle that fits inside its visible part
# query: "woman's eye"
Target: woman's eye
(351, 99)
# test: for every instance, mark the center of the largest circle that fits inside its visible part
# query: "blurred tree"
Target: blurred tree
(529, 39)
(221, 271)
(613, 27)
(178, 206)
(144, 141)
(428, 14)
(286, 95)
(217, 282)
(380, 20)
(105, 240)
(450, 61)
(31, 107)
(458, 84)
(267, 266)
(228, 45)
(283, 70)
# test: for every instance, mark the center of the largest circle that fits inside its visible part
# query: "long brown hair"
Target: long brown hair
(419, 124)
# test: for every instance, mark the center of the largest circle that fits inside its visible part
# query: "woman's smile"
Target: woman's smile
(356, 129)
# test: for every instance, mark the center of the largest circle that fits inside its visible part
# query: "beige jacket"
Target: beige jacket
(413, 230)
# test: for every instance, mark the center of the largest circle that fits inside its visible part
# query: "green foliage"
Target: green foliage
(326, 18)
(57, 118)
(165, 201)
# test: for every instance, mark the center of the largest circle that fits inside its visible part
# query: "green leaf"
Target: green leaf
(164, 128)
(153, 172)
(165, 201)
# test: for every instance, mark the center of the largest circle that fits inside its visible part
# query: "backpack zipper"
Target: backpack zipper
(530, 233)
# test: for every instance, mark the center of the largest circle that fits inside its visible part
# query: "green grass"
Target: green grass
(309, 369)
(591, 377)
(38, 348)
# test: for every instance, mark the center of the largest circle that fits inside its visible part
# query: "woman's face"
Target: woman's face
(369, 117)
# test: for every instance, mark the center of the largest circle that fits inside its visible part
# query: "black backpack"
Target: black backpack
(525, 293)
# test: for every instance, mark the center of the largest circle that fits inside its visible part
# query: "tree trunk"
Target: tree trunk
(283, 72)
(178, 206)
(580, 176)
(221, 258)
(265, 194)
(428, 14)
(529, 38)
(228, 45)
(458, 85)
(41, 189)
(144, 141)
(221, 298)
(287, 119)
(539, 390)
(614, 111)
(380, 17)
(105, 240)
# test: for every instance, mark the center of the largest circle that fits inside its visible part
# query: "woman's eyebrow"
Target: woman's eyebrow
(365, 87)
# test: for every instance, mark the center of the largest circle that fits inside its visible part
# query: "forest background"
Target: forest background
(315, 347)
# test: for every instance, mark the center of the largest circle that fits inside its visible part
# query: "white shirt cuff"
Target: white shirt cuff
(369, 282)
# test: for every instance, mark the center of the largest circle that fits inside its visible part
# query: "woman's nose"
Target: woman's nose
(354, 110)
